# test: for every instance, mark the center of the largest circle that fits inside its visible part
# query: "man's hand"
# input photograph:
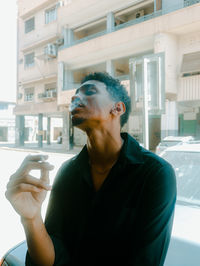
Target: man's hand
(25, 192)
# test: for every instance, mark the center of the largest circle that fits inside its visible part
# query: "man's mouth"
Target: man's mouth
(74, 105)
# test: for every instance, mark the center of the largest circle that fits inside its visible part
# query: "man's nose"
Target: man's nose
(75, 97)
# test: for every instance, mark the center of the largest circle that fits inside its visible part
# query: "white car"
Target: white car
(172, 141)
(184, 249)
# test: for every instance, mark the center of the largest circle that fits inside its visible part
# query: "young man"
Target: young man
(112, 204)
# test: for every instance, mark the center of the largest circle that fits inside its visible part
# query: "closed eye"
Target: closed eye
(90, 92)
(87, 89)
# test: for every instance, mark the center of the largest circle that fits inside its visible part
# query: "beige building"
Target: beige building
(152, 42)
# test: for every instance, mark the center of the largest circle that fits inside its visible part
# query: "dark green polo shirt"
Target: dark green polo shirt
(128, 221)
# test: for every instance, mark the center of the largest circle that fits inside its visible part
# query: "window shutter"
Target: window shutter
(191, 63)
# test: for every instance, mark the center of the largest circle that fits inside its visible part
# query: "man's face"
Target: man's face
(91, 105)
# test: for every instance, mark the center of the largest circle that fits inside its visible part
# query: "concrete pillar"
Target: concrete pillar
(168, 44)
(110, 68)
(60, 80)
(19, 133)
(110, 22)
(40, 130)
(68, 79)
(48, 130)
(157, 5)
(68, 35)
(65, 132)
(169, 120)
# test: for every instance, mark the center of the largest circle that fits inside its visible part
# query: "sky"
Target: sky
(8, 37)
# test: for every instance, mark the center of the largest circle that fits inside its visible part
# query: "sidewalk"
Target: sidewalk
(33, 147)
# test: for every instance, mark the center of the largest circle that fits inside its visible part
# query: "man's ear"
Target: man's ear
(119, 108)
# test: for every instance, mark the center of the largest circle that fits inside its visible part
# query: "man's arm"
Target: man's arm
(54, 221)
(40, 245)
(156, 217)
(26, 194)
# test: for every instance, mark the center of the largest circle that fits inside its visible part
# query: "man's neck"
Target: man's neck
(104, 146)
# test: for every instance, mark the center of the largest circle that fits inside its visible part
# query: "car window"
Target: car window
(187, 169)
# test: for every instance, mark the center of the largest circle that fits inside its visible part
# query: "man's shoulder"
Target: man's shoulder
(148, 158)
(69, 165)
(66, 172)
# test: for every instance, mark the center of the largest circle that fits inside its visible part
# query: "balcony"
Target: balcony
(189, 89)
(48, 96)
(88, 11)
(134, 15)
(42, 70)
(40, 37)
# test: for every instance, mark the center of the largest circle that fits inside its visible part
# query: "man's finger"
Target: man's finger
(31, 165)
(21, 188)
(39, 166)
(44, 184)
(37, 158)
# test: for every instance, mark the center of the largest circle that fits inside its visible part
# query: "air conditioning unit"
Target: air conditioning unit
(51, 50)
(60, 41)
(139, 13)
(119, 21)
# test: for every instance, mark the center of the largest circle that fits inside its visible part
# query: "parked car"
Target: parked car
(185, 242)
(172, 141)
(15, 256)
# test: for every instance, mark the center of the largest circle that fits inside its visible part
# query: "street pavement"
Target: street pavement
(11, 231)
(54, 147)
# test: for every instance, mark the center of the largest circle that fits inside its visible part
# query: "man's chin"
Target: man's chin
(77, 121)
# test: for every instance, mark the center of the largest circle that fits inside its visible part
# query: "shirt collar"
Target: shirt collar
(131, 150)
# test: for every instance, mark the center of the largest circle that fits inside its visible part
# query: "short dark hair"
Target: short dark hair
(116, 90)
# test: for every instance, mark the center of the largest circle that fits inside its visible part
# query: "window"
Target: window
(29, 25)
(29, 59)
(29, 94)
(50, 90)
(50, 15)
(28, 97)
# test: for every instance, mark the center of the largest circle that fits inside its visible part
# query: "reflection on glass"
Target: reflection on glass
(187, 168)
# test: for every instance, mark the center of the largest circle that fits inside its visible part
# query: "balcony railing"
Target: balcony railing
(190, 2)
(139, 20)
(48, 95)
(92, 36)
(165, 10)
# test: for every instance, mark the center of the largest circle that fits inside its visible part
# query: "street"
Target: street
(11, 231)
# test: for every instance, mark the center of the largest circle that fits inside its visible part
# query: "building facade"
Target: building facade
(61, 41)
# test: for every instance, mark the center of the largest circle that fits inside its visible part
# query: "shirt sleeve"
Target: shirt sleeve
(54, 223)
(156, 218)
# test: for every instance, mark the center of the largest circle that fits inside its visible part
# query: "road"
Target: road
(11, 231)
